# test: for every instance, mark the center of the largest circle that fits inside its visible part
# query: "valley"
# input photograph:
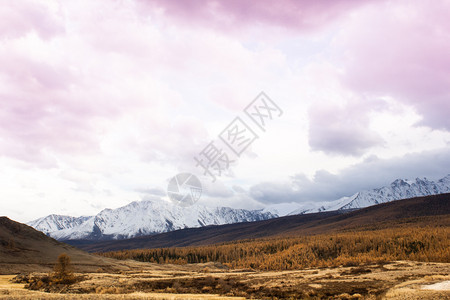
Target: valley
(394, 250)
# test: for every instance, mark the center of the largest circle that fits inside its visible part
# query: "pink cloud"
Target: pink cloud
(46, 108)
(231, 15)
(342, 130)
(65, 105)
(17, 18)
(401, 49)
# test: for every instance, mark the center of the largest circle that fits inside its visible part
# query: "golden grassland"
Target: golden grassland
(426, 244)
(393, 280)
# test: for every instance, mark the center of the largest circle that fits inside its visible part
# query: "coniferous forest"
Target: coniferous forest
(428, 244)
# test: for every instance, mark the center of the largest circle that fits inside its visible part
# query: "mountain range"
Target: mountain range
(142, 218)
(151, 217)
(398, 189)
(428, 211)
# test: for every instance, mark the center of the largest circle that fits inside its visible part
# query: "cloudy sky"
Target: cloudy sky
(102, 102)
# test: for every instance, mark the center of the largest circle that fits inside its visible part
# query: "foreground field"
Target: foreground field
(396, 280)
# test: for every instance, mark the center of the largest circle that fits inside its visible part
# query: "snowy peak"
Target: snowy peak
(142, 218)
(53, 223)
(152, 217)
(398, 189)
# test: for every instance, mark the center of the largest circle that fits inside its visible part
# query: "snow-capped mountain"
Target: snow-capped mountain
(399, 189)
(142, 218)
(151, 217)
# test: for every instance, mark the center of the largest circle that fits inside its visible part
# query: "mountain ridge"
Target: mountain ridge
(140, 218)
(147, 217)
(398, 189)
(424, 211)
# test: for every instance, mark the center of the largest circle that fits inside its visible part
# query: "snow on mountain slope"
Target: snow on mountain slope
(282, 209)
(54, 223)
(399, 189)
(142, 218)
(151, 217)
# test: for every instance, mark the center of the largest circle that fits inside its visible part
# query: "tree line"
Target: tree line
(323, 250)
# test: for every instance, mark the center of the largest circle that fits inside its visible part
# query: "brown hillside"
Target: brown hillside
(24, 249)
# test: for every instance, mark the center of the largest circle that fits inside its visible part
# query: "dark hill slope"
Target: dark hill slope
(24, 249)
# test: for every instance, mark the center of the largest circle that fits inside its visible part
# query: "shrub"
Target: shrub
(63, 270)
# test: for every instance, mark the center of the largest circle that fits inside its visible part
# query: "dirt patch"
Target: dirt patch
(356, 271)
(440, 286)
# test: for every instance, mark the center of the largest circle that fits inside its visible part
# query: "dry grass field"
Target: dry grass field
(395, 280)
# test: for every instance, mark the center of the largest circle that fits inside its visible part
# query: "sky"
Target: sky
(103, 102)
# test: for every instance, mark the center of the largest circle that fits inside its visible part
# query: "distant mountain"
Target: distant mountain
(152, 217)
(142, 218)
(432, 211)
(398, 189)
